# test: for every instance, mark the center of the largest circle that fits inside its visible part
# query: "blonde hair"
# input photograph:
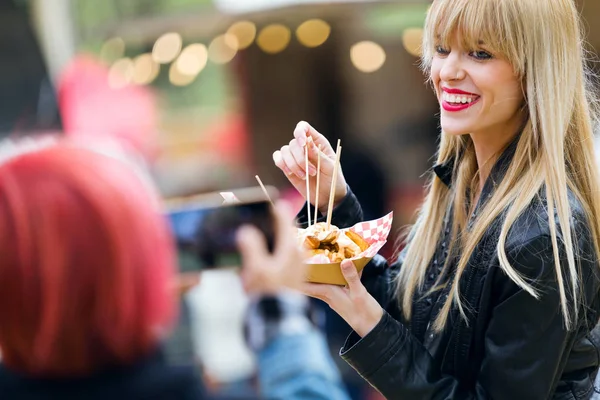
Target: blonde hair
(543, 42)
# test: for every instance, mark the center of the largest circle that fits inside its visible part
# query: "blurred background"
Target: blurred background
(210, 88)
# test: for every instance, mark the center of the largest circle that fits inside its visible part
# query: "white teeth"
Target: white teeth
(455, 99)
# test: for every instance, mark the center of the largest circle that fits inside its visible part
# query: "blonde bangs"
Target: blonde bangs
(492, 25)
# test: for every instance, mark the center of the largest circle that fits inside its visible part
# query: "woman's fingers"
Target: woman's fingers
(299, 154)
(271, 272)
(252, 246)
(327, 162)
(332, 292)
(278, 160)
(304, 130)
(291, 163)
(285, 236)
(335, 296)
(318, 291)
(291, 159)
(351, 275)
(259, 273)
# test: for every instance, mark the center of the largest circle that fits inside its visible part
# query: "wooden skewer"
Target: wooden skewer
(307, 182)
(318, 183)
(338, 153)
(264, 189)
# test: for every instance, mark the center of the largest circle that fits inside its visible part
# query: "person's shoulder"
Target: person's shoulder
(168, 381)
(529, 245)
(533, 224)
(155, 381)
(9, 384)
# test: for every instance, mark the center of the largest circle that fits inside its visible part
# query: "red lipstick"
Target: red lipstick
(452, 99)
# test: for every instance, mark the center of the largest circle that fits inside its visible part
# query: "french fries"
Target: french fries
(333, 243)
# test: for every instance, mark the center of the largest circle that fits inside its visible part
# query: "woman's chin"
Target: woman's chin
(455, 131)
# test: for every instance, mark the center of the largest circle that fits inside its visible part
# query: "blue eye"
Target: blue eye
(481, 55)
(441, 51)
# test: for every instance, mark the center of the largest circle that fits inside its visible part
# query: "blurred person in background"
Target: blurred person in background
(28, 104)
(496, 294)
(88, 287)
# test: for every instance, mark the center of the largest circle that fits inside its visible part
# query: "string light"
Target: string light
(120, 73)
(313, 33)
(274, 38)
(245, 32)
(367, 56)
(412, 39)
(112, 49)
(167, 48)
(145, 69)
(179, 79)
(192, 59)
(223, 48)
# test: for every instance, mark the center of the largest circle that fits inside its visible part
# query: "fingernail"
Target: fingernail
(312, 171)
(302, 138)
(242, 233)
(347, 265)
(301, 175)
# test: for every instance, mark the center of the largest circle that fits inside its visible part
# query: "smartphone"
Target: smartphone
(205, 229)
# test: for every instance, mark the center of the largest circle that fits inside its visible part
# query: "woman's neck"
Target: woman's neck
(486, 154)
(488, 147)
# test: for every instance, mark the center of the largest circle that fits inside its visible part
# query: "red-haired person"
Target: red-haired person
(87, 280)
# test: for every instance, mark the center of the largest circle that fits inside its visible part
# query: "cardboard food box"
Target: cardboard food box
(374, 232)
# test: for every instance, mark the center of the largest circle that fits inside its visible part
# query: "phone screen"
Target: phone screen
(206, 236)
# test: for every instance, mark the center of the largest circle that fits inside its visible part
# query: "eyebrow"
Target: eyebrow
(480, 42)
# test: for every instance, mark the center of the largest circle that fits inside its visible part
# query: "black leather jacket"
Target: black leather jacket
(512, 347)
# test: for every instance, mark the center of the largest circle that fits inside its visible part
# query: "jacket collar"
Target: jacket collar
(445, 171)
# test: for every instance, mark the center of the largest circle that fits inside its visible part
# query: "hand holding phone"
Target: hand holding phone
(268, 272)
(205, 229)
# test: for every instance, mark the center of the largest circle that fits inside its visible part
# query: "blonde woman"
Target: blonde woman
(496, 294)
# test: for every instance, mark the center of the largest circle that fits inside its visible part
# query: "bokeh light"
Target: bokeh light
(112, 49)
(120, 73)
(192, 59)
(167, 48)
(179, 79)
(245, 32)
(367, 56)
(313, 33)
(145, 69)
(274, 38)
(412, 39)
(223, 49)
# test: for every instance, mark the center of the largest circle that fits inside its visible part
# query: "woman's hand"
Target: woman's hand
(353, 303)
(291, 160)
(266, 273)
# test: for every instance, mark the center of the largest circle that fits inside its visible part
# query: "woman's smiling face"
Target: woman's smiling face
(479, 93)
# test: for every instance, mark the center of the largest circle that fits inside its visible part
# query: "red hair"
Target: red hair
(86, 263)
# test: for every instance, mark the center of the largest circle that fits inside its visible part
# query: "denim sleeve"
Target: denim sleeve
(295, 367)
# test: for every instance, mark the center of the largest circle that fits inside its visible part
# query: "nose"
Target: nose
(452, 68)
